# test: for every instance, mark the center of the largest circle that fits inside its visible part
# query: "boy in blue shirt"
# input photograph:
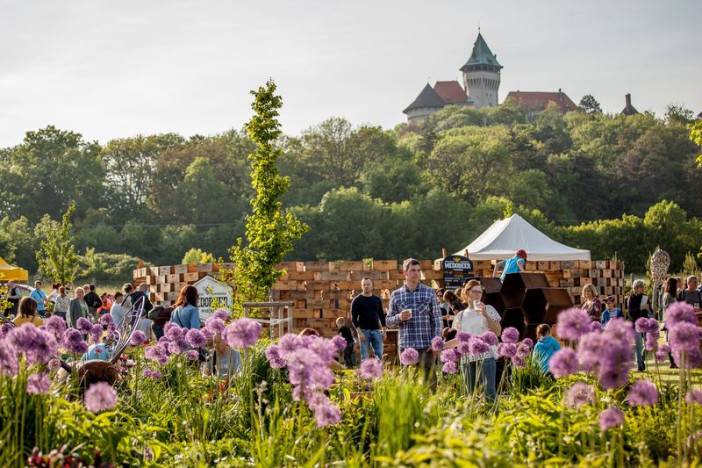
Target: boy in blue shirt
(545, 347)
(511, 265)
(611, 311)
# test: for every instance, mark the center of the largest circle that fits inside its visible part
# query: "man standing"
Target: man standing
(141, 291)
(40, 297)
(369, 319)
(414, 308)
(92, 299)
(691, 295)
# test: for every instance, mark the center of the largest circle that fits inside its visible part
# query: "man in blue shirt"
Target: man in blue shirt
(610, 312)
(40, 297)
(415, 310)
(511, 265)
(545, 347)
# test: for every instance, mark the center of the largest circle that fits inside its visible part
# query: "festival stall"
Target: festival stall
(12, 273)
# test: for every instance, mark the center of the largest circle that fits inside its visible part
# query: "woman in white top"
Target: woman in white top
(477, 319)
(62, 303)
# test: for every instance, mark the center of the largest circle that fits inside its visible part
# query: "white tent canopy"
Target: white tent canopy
(506, 236)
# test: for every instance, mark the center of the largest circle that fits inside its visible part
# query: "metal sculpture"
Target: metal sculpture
(660, 262)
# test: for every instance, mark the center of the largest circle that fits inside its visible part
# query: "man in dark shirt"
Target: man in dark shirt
(92, 299)
(345, 332)
(369, 319)
(691, 295)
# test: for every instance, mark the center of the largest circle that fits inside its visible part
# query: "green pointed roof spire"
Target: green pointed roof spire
(482, 57)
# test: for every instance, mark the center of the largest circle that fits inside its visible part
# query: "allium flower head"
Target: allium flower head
(371, 369)
(478, 346)
(678, 312)
(643, 393)
(694, 397)
(55, 325)
(610, 418)
(684, 337)
(37, 345)
(39, 383)
(564, 362)
(595, 326)
(523, 349)
(214, 324)
(100, 396)
(579, 394)
(662, 353)
(507, 350)
(463, 348)
(325, 413)
(152, 373)
(138, 338)
(652, 341)
(573, 323)
(192, 355)
(195, 338)
(242, 333)
(339, 343)
(449, 367)
(490, 338)
(274, 358)
(463, 336)
(96, 333)
(646, 325)
(437, 343)
(528, 342)
(84, 325)
(105, 319)
(510, 335)
(9, 365)
(518, 361)
(220, 314)
(450, 355)
(73, 341)
(409, 357)
(174, 332)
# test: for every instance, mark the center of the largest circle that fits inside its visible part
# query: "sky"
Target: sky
(111, 69)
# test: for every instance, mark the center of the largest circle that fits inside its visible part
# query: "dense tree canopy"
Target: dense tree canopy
(614, 184)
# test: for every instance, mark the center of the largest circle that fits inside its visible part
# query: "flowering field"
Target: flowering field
(290, 404)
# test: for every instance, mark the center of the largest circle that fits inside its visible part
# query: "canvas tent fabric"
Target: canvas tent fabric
(506, 236)
(12, 273)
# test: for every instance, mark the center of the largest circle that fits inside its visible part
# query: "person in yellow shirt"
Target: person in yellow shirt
(28, 313)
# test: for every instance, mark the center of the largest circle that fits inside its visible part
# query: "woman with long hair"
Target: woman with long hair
(27, 313)
(186, 313)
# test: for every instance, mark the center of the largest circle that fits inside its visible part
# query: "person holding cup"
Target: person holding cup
(415, 309)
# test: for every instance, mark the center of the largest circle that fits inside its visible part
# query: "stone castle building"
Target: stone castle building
(480, 88)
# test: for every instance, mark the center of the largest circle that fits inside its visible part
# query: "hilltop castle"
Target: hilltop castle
(481, 85)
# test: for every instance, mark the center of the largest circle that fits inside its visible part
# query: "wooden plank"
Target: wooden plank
(180, 269)
(385, 265)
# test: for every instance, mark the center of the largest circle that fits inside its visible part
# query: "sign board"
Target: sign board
(213, 295)
(457, 270)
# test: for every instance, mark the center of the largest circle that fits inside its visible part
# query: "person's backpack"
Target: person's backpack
(154, 313)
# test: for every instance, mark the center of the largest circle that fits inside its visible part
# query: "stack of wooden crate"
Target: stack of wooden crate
(166, 281)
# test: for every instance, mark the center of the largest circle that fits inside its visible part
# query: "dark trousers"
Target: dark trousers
(158, 330)
(348, 355)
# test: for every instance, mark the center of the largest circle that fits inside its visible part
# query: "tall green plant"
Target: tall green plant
(270, 231)
(57, 256)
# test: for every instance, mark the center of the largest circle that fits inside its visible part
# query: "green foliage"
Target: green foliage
(57, 256)
(103, 266)
(197, 256)
(270, 232)
(590, 105)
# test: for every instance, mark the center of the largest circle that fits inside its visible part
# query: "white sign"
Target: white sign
(212, 291)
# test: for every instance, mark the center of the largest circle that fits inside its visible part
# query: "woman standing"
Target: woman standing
(638, 306)
(591, 302)
(186, 313)
(477, 319)
(62, 303)
(670, 294)
(77, 308)
(28, 313)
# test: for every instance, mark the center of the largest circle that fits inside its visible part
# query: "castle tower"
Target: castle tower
(481, 75)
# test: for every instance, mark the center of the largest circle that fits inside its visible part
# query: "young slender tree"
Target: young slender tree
(270, 231)
(57, 256)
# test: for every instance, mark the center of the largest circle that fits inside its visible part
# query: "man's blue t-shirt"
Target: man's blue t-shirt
(512, 266)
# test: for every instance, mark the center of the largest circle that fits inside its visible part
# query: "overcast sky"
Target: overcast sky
(111, 69)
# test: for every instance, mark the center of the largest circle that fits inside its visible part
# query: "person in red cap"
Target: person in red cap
(511, 265)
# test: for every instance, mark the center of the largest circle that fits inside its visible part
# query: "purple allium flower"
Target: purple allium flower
(573, 323)
(195, 338)
(9, 365)
(684, 337)
(339, 343)
(242, 333)
(39, 383)
(463, 336)
(510, 335)
(643, 393)
(688, 360)
(463, 347)
(274, 358)
(595, 326)
(174, 347)
(523, 350)
(490, 338)
(221, 314)
(105, 320)
(611, 417)
(325, 414)
(478, 346)
(207, 333)
(662, 353)
(579, 394)
(612, 376)
(371, 369)
(646, 325)
(679, 312)
(174, 332)
(590, 348)
(507, 350)
(694, 397)
(152, 373)
(215, 325)
(157, 353)
(437, 344)
(449, 367)
(450, 355)
(652, 341)
(53, 364)
(564, 362)
(55, 325)
(84, 325)
(37, 345)
(138, 338)
(100, 396)
(518, 361)
(289, 343)
(409, 357)
(96, 332)
(192, 355)
(528, 342)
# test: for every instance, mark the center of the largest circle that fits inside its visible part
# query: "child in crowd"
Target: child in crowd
(545, 347)
(611, 311)
(223, 361)
(345, 332)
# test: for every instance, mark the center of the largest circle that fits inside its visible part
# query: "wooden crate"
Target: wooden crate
(295, 275)
(385, 265)
(332, 276)
(346, 266)
(173, 278)
(165, 270)
(180, 269)
(317, 266)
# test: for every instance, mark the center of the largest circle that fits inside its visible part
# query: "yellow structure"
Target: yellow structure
(12, 273)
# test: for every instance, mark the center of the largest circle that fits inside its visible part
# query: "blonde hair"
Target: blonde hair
(592, 289)
(469, 285)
